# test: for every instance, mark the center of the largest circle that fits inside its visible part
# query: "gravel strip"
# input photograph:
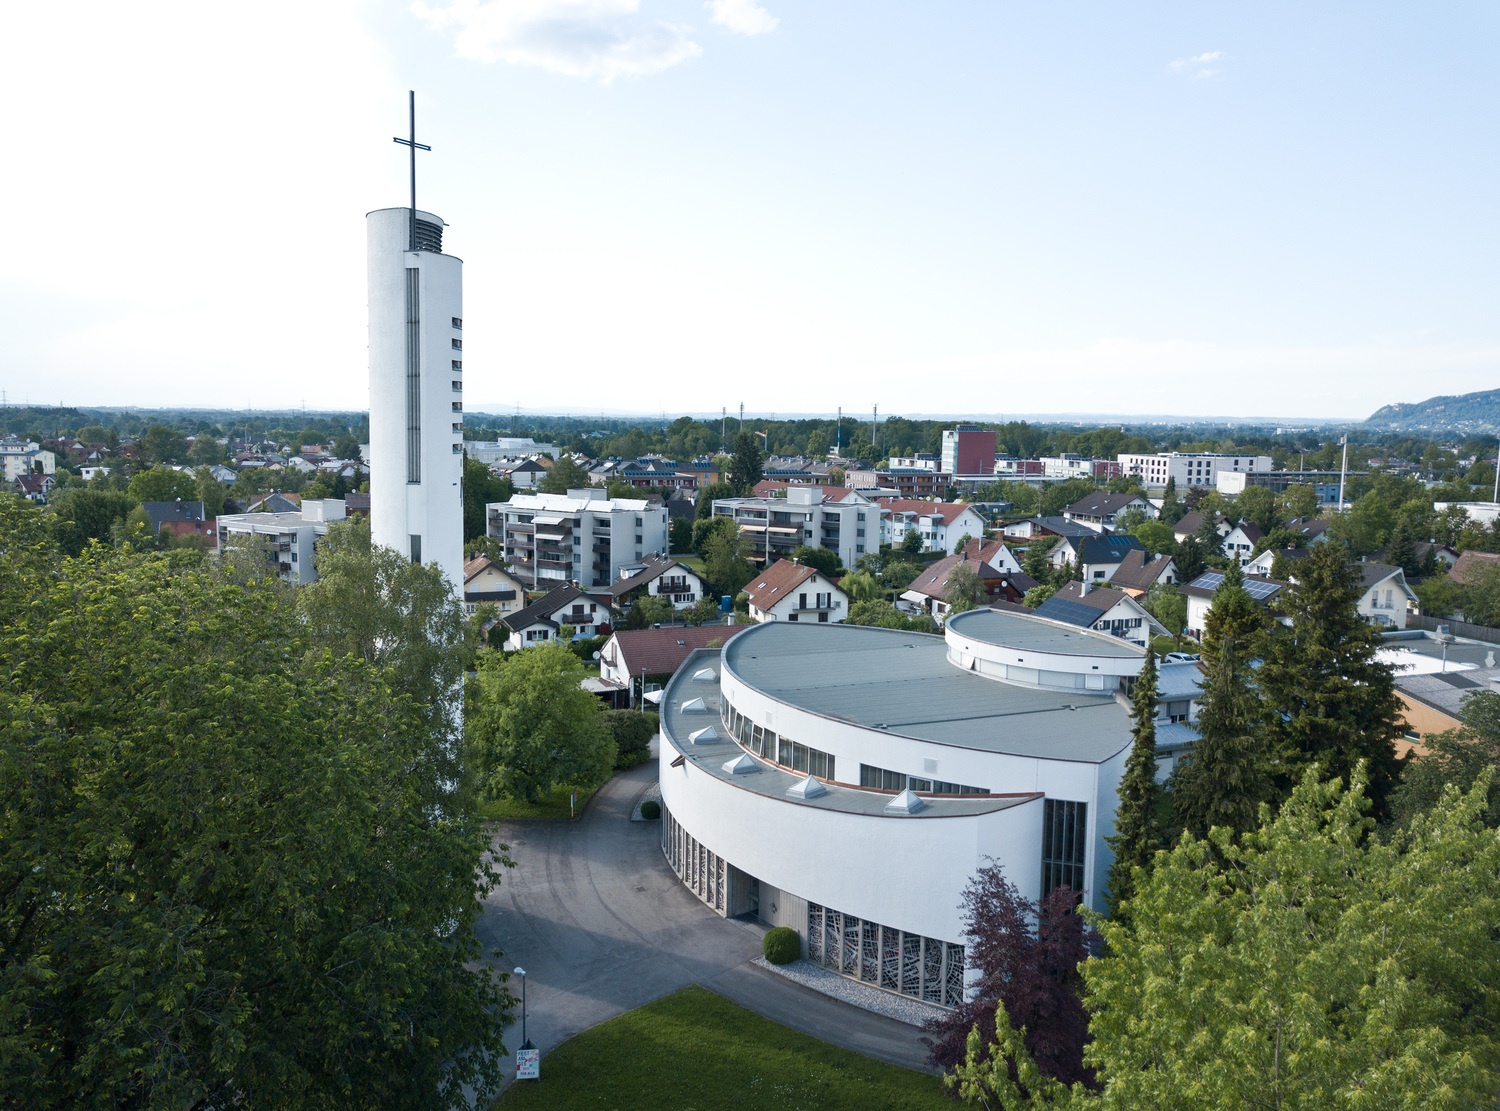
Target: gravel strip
(651, 792)
(899, 1007)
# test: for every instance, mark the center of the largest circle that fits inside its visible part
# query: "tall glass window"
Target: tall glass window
(1064, 841)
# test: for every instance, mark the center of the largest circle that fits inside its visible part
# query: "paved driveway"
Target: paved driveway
(602, 926)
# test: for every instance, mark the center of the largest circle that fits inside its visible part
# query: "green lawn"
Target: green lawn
(553, 806)
(696, 1051)
(695, 562)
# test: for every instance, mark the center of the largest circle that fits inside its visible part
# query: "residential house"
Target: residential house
(542, 621)
(1473, 566)
(928, 591)
(1139, 571)
(275, 503)
(1087, 606)
(1100, 509)
(1189, 469)
(1314, 530)
(792, 591)
(940, 524)
(1240, 542)
(1443, 556)
(88, 474)
(993, 552)
(636, 661)
(1033, 527)
(525, 475)
(1098, 557)
(165, 513)
(1191, 524)
(487, 583)
(1263, 563)
(18, 457)
(582, 536)
(1386, 597)
(1200, 596)
(357, 504)
(288, 539)
(35, 487)
(659, 577)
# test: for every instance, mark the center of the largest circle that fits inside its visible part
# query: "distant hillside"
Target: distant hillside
(1470, 412)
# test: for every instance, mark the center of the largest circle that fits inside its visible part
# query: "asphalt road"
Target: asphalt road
(602, 926)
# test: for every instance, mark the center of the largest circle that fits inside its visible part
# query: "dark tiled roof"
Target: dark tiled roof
(1072, 606)
(655, 568)
(1101, 503)
(1472, 565)
(540, 611)
(1109, 549)
(161, 512)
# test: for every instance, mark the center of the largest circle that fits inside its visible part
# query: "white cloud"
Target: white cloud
(593, 39)
(743, 17)
(1198, 66)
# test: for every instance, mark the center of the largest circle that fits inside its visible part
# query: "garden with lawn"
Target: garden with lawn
(553, 805)
(695, 1049)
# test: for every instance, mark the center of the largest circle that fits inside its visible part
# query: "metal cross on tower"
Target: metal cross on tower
(415, 146)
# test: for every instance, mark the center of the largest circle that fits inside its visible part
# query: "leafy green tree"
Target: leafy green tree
(681, 535)
(1138, 833)
(211, 493)
(725, 564)
(160, 444)
(1038, 594)
(218, 885)
(748, 466)
(162, 483)
(83, 513)
(817, 443)
(1480, 597)
(1305, 967)
(1457, 758)
(707, 528)
(1058, 497)
(1329, 700)
(1172, 508)
(564, 475)
(882, 615)
(1226, 777)
(964, 590)
(1169, 606)
(482, 487)
(704, 611)
(911, 543)
(961, 543)
(861, 586)
(647, 610)
(821, 559)
(704, 503)
(1191, 558)
(531, 727)
(1438, 595)
(1156, 537)
(206, 451)
(402, 618)
(1300, 501)
(347, 447)
(1257, 505)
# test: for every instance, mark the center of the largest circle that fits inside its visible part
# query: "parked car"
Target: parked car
(1181, 658)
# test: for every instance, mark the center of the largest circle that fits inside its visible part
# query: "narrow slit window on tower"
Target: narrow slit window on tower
(458, 364)
(416, 547)
(458, 345)
(458, 322)
(413, 375)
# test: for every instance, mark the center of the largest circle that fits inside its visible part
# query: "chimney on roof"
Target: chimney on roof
(1084, 588)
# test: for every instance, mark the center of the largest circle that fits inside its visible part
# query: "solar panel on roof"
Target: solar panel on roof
(1259, 590)
(1209, 580)
(1074, 613)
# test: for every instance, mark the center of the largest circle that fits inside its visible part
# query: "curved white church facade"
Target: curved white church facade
(848, 782)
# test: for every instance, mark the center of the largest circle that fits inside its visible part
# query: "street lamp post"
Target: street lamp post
(525, 1041)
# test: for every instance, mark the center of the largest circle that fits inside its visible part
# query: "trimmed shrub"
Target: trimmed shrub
(632, 731)
(782, 945)
(650, 810)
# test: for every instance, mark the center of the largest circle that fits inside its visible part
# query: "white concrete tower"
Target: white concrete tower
(416, 390)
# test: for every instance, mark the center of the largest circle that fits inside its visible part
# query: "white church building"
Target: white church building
(848, 782)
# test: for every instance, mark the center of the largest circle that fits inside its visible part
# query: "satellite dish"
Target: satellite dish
(596, 655)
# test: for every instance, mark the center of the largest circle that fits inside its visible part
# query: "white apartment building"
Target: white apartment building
(776, 527)
(288, 539)
(582, 536)
(940, 524)
(20, 457)
(1188, 469)
(914, 463)
(490, 452)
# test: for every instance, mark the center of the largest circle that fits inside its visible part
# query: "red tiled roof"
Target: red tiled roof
(777, 581)
(661, 651)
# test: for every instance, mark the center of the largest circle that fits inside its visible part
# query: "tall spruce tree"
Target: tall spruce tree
(1329, 700)
(1137, 830)
(1233, 617)
(1228, 774)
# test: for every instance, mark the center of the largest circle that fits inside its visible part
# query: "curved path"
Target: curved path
(602, 926)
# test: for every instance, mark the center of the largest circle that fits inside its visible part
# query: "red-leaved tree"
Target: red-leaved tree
(1027, 955)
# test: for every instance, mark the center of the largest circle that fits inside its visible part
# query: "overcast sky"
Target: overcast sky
(1230, 208)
